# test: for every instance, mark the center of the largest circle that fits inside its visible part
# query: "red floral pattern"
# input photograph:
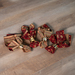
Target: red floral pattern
(60, 36)
(50, 49)
(53, 38)
(26, 36)
(33, 33)
(34, 44)
(60, 39)
(45, 26)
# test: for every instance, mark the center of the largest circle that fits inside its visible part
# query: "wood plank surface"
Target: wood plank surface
(58, 14)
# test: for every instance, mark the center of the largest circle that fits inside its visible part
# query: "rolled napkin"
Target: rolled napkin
(29, 33)
(44, 32)
(13, 41)
(59, 40)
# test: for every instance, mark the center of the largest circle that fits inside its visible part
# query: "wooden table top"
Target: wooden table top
(58, 14)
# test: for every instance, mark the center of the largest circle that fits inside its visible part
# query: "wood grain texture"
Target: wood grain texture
(58, 14)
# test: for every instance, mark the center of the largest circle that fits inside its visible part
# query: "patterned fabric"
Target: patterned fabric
(44, 32)
(16, 40)
(30, 34)
(60, 39)
(13, 41)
